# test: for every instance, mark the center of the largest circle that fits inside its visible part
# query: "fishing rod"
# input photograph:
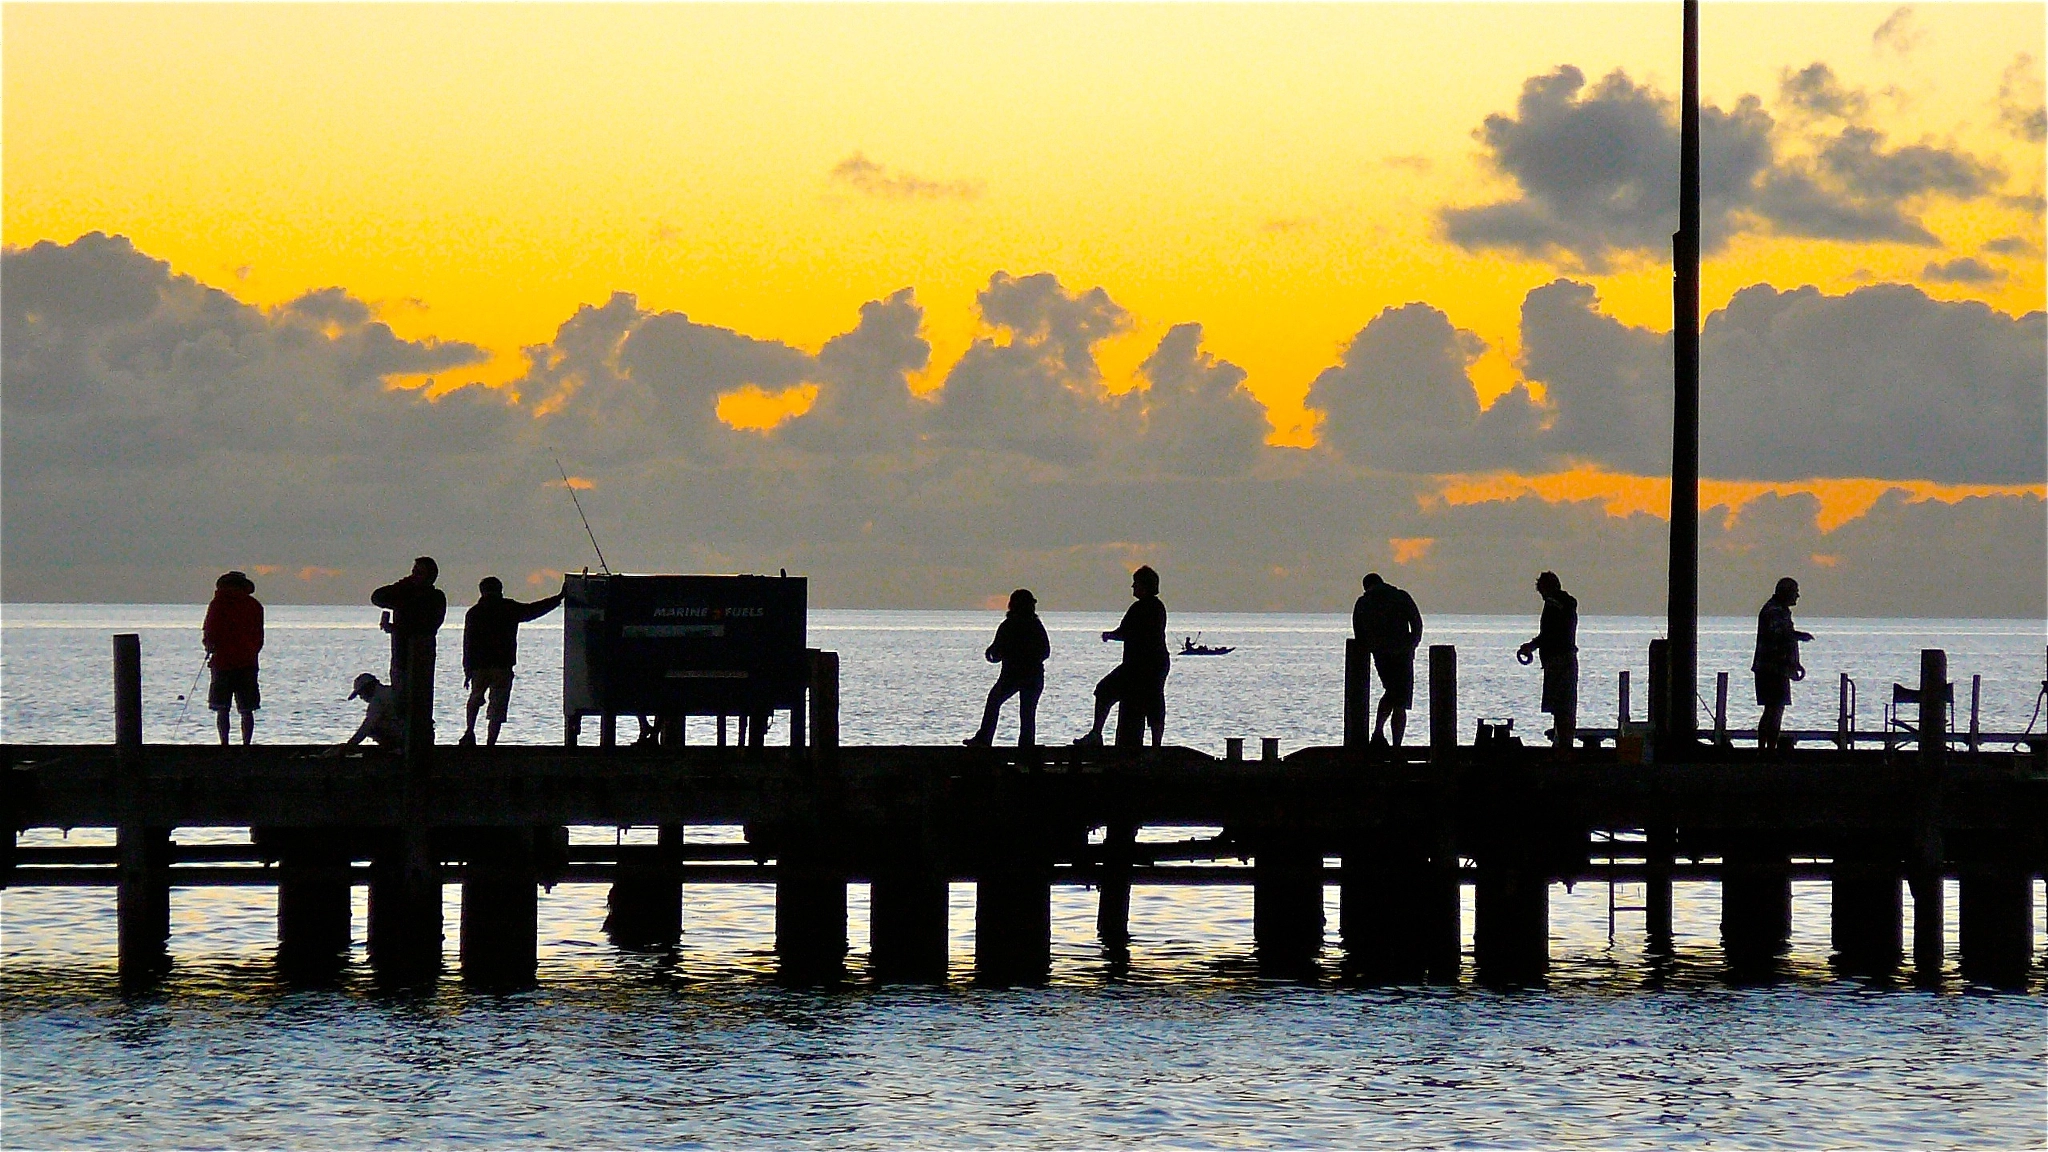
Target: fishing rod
(579, 512)
(179, 730)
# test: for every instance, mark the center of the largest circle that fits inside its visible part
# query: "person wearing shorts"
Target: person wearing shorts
(233, 635)
(490, 647)
(1557, 642)
(1386, 621)
(1776, 662)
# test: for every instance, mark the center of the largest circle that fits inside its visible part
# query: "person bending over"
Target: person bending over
(1387, 622)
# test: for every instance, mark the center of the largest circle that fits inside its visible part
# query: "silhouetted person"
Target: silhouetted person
(233, 635)
(1387, 622)
(490, 646)
(1777, 660)
(1021, 647)
(1557, 641)
(381, 720)
(1140, 680)
(417, 609)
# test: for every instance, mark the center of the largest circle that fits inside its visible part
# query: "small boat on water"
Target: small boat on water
(1192, 646)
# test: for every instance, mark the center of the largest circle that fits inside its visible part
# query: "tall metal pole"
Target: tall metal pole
(1681, 720)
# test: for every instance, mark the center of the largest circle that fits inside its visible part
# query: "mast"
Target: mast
(1681, 719)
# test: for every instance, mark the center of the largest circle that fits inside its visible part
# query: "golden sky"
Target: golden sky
(1274, 172)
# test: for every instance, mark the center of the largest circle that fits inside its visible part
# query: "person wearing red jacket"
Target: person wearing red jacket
(233, 635)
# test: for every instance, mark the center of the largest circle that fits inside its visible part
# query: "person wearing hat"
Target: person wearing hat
(233, 635)
(381, 721)
(490, 646)
(1021, 647)
(1776, 663)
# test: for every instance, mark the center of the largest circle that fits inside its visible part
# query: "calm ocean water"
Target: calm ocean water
(1187, 1048)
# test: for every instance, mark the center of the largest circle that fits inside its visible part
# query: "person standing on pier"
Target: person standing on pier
(1387, 622)
(1777, 660)
(1140, 681)
(1557, 641)
(417, 610)
(233, 635)
(1021, 647)
(490, 646)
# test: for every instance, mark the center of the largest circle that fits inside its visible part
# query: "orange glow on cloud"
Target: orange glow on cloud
(754, 409)
(312, 572)
(1621, 494)
(579, 483)
(1408, 549)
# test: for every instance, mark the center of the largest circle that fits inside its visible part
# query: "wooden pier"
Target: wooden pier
(1406, 828)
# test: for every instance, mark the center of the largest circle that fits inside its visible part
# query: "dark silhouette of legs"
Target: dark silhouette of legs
(1769, 724)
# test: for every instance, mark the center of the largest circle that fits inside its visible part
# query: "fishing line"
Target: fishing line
(579, 512)
(179, 730)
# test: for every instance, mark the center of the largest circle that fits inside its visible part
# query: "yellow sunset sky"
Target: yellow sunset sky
(1273, 172)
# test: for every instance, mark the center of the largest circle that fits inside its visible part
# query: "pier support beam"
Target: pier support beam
(405, 908)
(1511, 925)
(645, 907)
(1113, 888)
(1995, 924)
(810, 915)
(1013, 921)
(1868, 915)
(314, 917)
(500, 910)
(1660, 844)
(1287, 904)
(907, 906)
(1756, 904)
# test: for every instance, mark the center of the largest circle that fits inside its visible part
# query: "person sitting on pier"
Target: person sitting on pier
(381, 719)
(1140, 681)
(1387, 622)
(490, 646)
(1557, 641)
(1777, 660)
(233, 635)
(1021, 647)
(417, 609)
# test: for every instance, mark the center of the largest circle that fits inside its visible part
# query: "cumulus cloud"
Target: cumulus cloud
(1034, 387)
(1596, 167)
(1898, 32)
(2020, 109)
(2012, 246)
(1401, 398)
(1200, 419)
(156, 432)
(864, 175)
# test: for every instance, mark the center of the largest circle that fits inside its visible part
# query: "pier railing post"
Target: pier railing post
(1443, 703)
(1930, 922)
(1357, 694)
(419, 704)
(143, 895)
(824, 707)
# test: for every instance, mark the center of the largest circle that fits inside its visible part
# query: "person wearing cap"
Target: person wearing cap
(490, 647)
(1140, 681)
(1557, 642)
(417, 610)
(1021, 647)
(233, 635)
(381, 720)
(1776, 663)
(1386, 621)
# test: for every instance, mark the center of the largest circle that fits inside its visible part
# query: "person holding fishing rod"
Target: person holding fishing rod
(233, 635)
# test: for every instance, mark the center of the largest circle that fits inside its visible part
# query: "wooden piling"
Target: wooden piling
(405, 929)
(1756, 903)
(1660, 841)
(1013, 920)
(644, 910)
(1995, 923)
(1925, 874)
(1397, 912)
(1511, 917)
(810, 914)
(1113, 886)
(907, 908)
(1443, 702)
(1868, 918)
(499, 941)
(314, 915)
(143, 893)
(1287, 902)
(1357, 694)
(824, 700)
(418, 703)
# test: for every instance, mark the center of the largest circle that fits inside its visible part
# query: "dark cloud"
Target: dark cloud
(1402, 399)
(1884, 381)
(864, 400)
(1608, 385)
(1200, 419)
(1963, 270)
(1035, 388)
(1596, 171)
(2013, 246)
(2020, 109)
(864, 175)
